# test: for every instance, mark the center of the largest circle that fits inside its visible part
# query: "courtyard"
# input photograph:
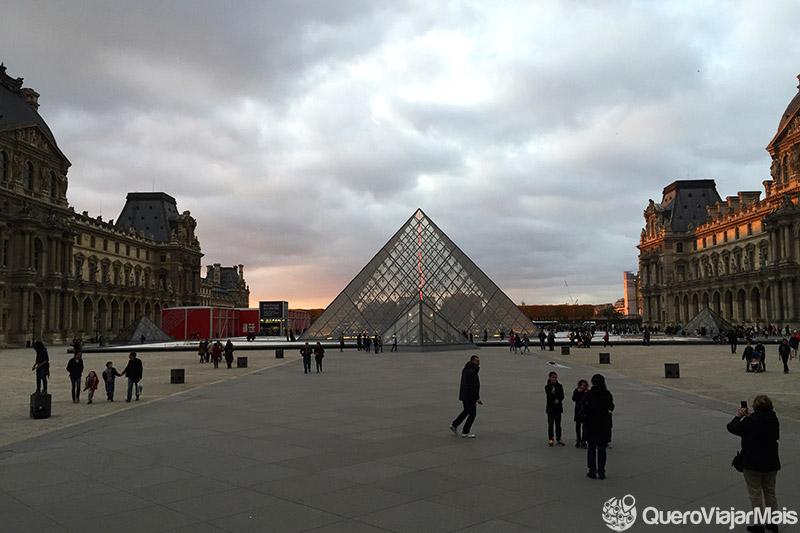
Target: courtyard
(364, 446)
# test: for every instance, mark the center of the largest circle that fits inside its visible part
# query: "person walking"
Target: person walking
(92, 381)
(201, 351)
(109, 375)
(577, 397)
(341, 342)
(133, 370)
(229, 353)
(469, 393)
(216, 353)
(551, 339)
(75, 370)
(783, 353)
(305, 353)
(747, 356)
(733, 340)
(554, 392)
(542, 338)
(598, 404)
(319, 353)
(762, 357)
(41, 367)
(526, 344)
(394, 343)
(760, 432)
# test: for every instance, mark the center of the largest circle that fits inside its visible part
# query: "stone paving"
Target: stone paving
(364, 446)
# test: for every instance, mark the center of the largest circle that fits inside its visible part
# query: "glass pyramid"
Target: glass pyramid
(421, 287)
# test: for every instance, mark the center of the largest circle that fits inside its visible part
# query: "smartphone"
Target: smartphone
(744, 404)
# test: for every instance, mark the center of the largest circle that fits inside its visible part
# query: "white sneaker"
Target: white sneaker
(468, 435)
(453, 429)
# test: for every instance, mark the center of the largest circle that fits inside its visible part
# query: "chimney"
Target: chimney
(209, 272)
(31, 97)
(241, 272)
(217, 271)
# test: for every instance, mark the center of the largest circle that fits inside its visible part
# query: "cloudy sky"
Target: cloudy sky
(302, 134)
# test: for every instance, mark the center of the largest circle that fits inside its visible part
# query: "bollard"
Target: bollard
(672, 370)
(278, 354)
(605, 358)
(565, 350)
(40, 405)
(177, 375)
(241, 362)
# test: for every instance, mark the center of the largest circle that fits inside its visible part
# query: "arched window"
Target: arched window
(29, 175)
(53, 185)
(3, 166)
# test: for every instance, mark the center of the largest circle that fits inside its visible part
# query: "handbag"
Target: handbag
(737, 461)
(139, 387)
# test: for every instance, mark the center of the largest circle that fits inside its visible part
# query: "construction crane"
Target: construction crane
(571, 301)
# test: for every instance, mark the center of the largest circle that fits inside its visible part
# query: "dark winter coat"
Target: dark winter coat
(577, 397)
(760, 433)
(75, 367)
(133, 369)
(597, 405)
(554, 392)
(470, 390)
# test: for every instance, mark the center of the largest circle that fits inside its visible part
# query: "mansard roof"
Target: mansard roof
(686, 202)
(791, 111)
(15, 111)
(151, 212)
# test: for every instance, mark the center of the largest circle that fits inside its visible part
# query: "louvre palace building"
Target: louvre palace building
(739, 256)
(64, 274)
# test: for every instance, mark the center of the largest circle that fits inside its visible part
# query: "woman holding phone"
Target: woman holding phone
(760, 432)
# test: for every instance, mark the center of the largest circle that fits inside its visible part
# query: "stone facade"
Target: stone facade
(740, 256)
(66, 275)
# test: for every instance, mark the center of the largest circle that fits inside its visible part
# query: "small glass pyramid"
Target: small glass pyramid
(422, 288)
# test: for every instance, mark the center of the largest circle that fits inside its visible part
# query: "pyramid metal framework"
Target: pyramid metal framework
(421, 287)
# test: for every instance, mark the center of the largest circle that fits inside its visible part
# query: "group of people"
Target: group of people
(319, 353)
(215, 352)
(593, 409)
(519, 343)
(364, 342)
(592, 416)
(133, 371)
(755, 357)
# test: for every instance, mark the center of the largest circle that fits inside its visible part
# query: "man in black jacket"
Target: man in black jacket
(75, 369)
(470, 394)
(134, 372)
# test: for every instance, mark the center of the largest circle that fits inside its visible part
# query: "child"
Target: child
(555, 398)
(91, 384)
(109, 374)
(577, 397)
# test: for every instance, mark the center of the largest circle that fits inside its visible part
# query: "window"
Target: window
(92, 242)
(736, 234)
(163, 258)
(6, 244)
(749, 229)
(704, 242)
(53, 185)
(29, 175)
(128, 249)
(713, 239)
(725, 236)
(680, 247)
(105, 245)
(3, 166)
(116, 247)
